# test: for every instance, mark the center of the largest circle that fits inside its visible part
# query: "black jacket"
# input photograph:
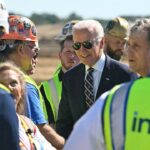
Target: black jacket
(72, 105)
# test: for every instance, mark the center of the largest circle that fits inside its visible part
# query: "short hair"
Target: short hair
(93, 26)
(8, 66)
(68, 38)
(141, 25)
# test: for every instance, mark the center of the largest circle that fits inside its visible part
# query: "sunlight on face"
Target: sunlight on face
(87, 56)
(139, 53)
(10, 79)
(68, 56)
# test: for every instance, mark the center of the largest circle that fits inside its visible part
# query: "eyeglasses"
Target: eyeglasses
(86, 44)
(32, 46)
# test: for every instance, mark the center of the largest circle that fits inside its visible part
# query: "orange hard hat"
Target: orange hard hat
(20, 28)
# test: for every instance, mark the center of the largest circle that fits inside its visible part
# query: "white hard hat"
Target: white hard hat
(66, 30)
(4, 16)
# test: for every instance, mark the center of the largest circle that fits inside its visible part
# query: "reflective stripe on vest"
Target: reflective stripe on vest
(31, 81)
(53, 89)
(107, 121)
(126, 117)
(4, 88)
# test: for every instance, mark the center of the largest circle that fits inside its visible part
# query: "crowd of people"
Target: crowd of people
(93, 101)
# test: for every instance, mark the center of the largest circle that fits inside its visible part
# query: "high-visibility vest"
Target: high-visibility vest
(52, 90)
(126, 118)
(32, 82)
(4, 88)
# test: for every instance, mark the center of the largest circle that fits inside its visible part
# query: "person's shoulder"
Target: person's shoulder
(30, 86)
(5, 94)
(121, 69)
(76, 69)
(117, 64)
(2, 91)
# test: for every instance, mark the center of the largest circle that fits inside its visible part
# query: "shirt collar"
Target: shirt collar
(99, 65)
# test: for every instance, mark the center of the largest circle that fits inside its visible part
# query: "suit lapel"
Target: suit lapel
(105, 78)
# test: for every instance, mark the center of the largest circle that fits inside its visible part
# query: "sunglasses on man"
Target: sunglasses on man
(86, 44)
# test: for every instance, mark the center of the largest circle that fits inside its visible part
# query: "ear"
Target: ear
(106, 37)
(20, 50)
(59, 54)
(101, 43)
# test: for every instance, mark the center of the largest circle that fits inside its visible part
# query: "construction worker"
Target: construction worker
(120, 119)
(51, 89)
(20, 46)
(8, 118)
(115, 37)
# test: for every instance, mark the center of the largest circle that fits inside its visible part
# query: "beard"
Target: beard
(114, 54)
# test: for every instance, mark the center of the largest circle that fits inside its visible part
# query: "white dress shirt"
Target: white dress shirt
(98, 69)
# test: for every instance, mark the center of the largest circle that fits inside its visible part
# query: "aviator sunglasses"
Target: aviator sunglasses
(86, 44)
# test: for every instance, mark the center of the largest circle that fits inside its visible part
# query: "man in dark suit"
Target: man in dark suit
(88, 44)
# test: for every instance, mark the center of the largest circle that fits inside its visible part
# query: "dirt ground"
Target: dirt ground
(46, 66)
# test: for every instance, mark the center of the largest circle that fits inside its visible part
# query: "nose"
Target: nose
(121, 45)
(129, 51)
(83, 49)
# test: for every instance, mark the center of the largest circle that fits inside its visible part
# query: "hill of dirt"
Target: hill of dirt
(46, 35)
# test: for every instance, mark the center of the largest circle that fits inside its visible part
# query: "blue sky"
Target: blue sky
(105, 9)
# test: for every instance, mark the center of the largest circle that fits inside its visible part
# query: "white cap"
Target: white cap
(4, 16)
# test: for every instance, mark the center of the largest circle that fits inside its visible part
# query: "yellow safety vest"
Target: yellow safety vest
(31, 81)
(4, 88)
(127, 116)
(52, 89)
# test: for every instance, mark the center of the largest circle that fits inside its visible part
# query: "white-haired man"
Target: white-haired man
(84, 83)
(120, 118)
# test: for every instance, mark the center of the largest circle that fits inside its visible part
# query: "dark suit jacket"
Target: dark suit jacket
(72, 105)
(9, 130)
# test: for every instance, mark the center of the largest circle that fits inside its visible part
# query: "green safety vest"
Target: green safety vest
(52, 89)
(31, 81)
(127, 116)
(4, 88)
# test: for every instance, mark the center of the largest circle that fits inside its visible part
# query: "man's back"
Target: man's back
(120, 115)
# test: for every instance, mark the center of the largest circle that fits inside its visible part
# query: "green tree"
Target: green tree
(73, 16)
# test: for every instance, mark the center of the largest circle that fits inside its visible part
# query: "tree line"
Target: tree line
(46, 18)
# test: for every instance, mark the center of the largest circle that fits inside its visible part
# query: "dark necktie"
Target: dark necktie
(89, 88)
